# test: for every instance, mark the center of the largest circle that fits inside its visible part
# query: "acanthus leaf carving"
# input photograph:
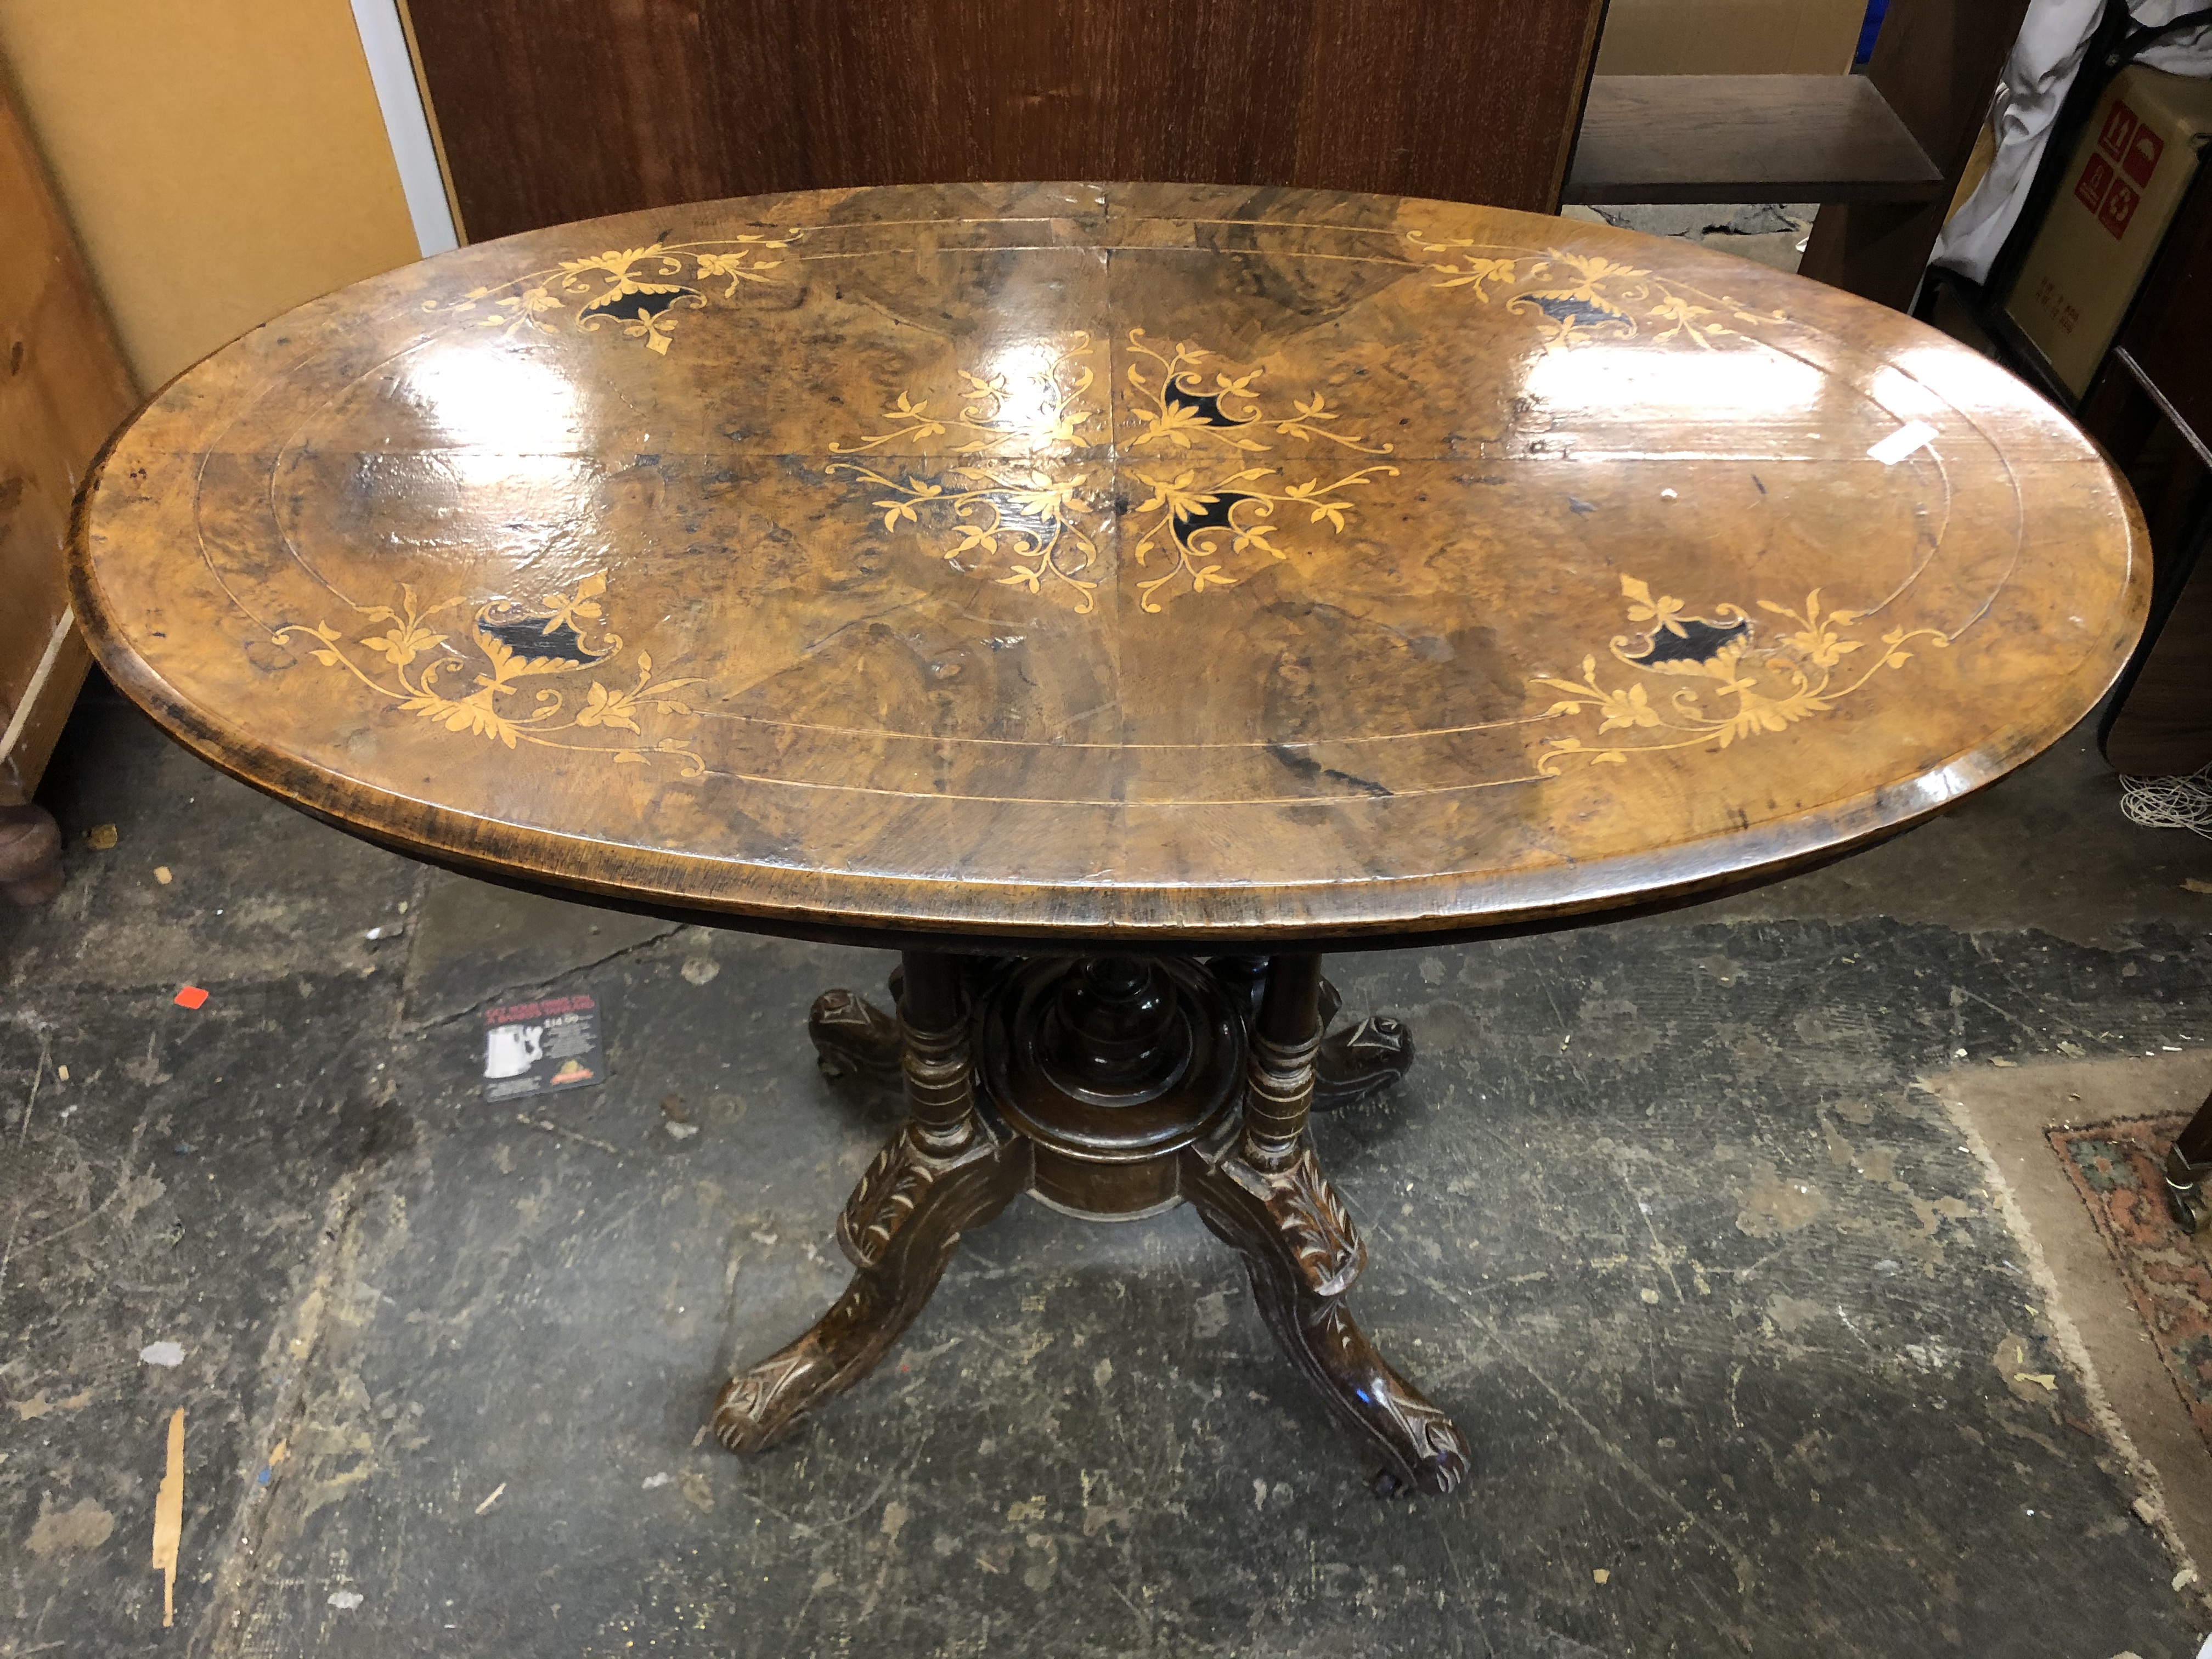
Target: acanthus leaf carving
(1310, 1219)
(897, 1181)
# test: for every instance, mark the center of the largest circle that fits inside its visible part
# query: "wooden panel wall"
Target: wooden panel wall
(552, 110)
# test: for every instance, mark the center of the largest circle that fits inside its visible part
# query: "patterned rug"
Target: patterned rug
(2117, 1168)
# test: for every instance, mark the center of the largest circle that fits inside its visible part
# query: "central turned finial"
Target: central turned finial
(1113, 1032)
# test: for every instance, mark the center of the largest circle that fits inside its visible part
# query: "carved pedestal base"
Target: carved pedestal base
(853, 1039)
(1109, 1087)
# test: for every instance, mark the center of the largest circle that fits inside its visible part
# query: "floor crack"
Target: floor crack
(405, 1027)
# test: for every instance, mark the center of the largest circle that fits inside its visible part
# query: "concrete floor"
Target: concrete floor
(1770, 233)
(1672, 1215)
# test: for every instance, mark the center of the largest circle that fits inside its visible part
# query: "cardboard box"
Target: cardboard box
(1729, 37)
(2117, 196)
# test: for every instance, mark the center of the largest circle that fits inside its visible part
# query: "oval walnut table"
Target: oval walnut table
(1113, 596)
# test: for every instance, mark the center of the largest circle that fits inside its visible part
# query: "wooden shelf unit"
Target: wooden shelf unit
(1745, 138)
(1883, 151)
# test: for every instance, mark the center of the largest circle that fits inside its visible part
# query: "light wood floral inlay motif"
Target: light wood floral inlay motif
(642, 290)
(511, 644)
(1175, 406)
(1193, 511)
(1191, 520)
(1021, 517)
(1585, 296)
(1042, 402)
(1728, 681)
(1019, 514)
(1024, 519)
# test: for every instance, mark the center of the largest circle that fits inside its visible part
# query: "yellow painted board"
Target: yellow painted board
(221, 160)
(1729, 37)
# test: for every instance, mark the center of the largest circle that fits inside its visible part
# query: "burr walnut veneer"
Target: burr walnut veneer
(1113, 595)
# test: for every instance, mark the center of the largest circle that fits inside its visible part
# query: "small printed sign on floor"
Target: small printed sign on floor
(541, 1048)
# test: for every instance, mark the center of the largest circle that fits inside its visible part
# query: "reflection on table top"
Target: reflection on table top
(1131, 560)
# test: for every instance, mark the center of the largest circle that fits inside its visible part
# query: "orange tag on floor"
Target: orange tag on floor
(190, 997)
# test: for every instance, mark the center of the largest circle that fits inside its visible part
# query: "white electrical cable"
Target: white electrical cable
(2170, 803)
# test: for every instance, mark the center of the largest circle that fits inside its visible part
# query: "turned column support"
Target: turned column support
(934, 1029)
(1285, 1041)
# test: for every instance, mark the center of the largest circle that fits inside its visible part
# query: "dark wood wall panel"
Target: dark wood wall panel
(552, 110)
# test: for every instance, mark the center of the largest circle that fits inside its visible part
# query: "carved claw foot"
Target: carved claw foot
(1360, 1061)
(1355, 1063)
(854, 1038)
(1303, 1253)
(899, 1227)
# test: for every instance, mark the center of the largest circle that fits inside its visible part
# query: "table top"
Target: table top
(1179, 564)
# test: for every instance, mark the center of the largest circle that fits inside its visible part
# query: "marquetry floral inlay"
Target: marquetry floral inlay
(1019, 518)
(642, 290)
(1728, 681)
(1012, 514)
(1040, 404)
(1174, 405)
(1205, 515)
(1023, 519)
(511, 645)
(1202, 525)
(1585, 296)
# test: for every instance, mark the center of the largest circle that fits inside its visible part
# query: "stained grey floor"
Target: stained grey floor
(1662, 1216)
(1770, 233)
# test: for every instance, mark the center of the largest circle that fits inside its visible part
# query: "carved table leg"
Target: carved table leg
(1269, 1200)
(942, 1174)
(1356, 1062)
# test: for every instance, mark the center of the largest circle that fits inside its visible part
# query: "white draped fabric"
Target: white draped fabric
(2044, 61)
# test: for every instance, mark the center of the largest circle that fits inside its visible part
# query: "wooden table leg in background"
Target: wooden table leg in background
(1111, 1087)
(2188, 1161)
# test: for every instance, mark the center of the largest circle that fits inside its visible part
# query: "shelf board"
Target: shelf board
(1745, 138)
